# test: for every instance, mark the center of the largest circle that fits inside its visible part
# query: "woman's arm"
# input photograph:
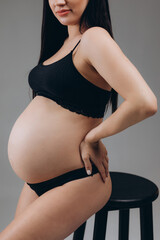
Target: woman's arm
(126, 115)
(103, 53)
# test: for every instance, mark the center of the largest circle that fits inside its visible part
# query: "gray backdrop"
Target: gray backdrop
(135, 150)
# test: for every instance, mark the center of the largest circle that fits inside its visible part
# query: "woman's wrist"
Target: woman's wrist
(91, 137)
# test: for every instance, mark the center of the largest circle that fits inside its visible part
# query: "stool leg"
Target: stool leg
(100, 225)
(79, 232)
(123, 224)
(146, 222)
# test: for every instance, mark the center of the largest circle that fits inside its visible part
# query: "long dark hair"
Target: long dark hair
(53, 33)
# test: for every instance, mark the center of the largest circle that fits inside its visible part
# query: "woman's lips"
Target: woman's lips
(63, 13)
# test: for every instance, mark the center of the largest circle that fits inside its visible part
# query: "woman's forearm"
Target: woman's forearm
(126, 115)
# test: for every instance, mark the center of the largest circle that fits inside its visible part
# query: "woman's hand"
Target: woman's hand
(97, 153)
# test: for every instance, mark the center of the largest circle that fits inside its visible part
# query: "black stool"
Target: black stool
(128, 191)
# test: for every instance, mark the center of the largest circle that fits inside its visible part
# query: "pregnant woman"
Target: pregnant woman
(56, 140)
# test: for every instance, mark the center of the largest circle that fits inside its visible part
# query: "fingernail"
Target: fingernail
(88, 172)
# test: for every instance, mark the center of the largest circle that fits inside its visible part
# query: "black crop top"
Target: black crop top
(61, 82)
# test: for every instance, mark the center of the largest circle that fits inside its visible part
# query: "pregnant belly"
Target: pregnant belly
(44, 141)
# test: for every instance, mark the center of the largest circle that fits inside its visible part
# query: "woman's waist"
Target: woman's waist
(41, 128)
(44, 151)
(45, 138)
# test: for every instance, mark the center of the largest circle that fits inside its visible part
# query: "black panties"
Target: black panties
(45, 186)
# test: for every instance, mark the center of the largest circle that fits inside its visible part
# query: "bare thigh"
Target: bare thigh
(60, 211)
(26, 197)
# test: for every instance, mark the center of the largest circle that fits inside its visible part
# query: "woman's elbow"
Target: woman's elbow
(151, 106)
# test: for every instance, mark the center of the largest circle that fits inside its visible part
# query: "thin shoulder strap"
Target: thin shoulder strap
(76, 45)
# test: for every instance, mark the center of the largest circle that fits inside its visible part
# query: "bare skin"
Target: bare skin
(35, 153)
(58, 212)
(45, 139)
(44, 143)
(42, 135)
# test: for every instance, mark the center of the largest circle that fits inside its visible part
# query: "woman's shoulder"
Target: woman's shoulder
(93, 37)
(92, 44)
(95, 32)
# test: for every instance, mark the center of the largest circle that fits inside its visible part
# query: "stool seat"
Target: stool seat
(128, 191)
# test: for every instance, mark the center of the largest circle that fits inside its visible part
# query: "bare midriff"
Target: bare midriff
(44, 140)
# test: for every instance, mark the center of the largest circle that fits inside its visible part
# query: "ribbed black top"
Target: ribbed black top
(61, 82)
